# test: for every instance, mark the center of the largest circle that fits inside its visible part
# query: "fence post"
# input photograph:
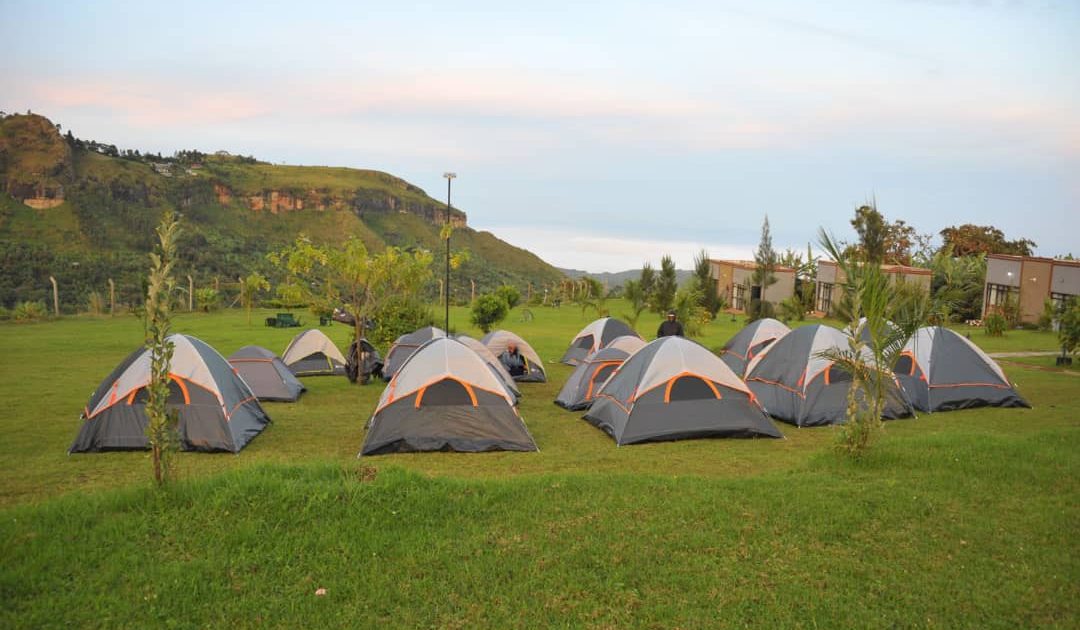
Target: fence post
(190, 294)
(55, 297)
(112, 298)
(473, 297)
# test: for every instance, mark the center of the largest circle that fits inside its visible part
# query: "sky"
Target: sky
(600, 135)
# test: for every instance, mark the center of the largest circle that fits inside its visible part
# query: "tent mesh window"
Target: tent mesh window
(446, 392)
(585, 342)
(691, 388)
(196, 395)
(755, 350)
(905, 365)
(836, 375)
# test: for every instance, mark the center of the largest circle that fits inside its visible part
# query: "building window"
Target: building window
(824, 297)
(738, 297)
(1059, 300)
(997, 295)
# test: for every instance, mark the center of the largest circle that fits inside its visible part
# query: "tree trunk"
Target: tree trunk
(112, 298)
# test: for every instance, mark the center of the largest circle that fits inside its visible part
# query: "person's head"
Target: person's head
(671, 315)
(511, 347)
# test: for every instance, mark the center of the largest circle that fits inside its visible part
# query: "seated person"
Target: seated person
(512, 360)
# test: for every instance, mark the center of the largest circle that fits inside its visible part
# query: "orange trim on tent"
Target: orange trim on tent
(802, 378)
(228, 416)
(616, 401)
(997, 385)
(179, 380)
(778, 384)
(639, 394)
(671, 383)
(468, 388)
(251, 360)
(183, 387)
(592, 379)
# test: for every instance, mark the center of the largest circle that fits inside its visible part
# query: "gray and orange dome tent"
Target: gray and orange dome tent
(751, 341)
(216, 409)
(796, 384)
(266, 374)
(311, 353)
(498, 340)
(675, 389)
(595, 336)
(942, 371)
(405, 345)
(445, 398)
(579, 391)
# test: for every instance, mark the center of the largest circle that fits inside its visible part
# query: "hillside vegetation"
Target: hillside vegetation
(85, 212)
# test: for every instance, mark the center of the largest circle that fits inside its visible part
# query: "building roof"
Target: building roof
(1056, 261)
(904, 269)
(749, 264)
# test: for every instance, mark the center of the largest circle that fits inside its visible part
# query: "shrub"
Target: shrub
(207, 299)
(509, 294)
(759, 309)
(488, 311)
(1069, 328)
(5, 314)
(95, 303)
(792, 309)
(995, 324)
(29, 312)
(397, 317)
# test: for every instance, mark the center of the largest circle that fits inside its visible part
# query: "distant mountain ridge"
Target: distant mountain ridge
(614, 279)
(85, 212)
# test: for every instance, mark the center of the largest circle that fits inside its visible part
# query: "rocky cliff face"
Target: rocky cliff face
(35, 161)
(361, 201)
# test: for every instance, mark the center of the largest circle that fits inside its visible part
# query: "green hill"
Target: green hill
(85, 212)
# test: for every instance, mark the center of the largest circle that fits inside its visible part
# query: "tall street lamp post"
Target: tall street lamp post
(449, 178)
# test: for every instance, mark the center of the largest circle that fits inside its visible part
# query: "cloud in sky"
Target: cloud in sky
(689, 114)
(572, 249)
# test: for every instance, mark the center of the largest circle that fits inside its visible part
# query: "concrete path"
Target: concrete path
(1006, 355)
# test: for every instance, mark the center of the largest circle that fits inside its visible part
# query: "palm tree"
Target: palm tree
(882, 324)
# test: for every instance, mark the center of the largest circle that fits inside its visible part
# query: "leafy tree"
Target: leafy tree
(764, 274)
(633, 294)
(689, 311)
(870, 225)
(883, 242)
(1069, 326)
(509, 293)
(958, 283)
(590, 294)
(161, 425)
(488, 310)
(208, 299)
(369, 288)
(667, 284)
(249, 288)
(706, 284)
(969, 239)
(647, 282)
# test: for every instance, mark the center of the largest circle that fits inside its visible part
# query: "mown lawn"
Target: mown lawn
(957, 519)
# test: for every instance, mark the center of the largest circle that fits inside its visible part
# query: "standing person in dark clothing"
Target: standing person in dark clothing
(512, 360)
(670, 327)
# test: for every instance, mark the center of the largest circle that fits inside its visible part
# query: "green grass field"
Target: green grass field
(953, 520)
